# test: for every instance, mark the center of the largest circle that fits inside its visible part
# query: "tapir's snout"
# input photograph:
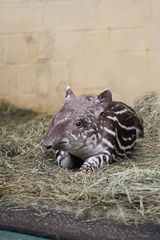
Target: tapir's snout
(55, 138)
(46, 145)
(57, 145)
(49, 139)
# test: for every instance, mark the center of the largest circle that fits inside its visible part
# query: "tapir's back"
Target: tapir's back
(127, 126)
(127, 116)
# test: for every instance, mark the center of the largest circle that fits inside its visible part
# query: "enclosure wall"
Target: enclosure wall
(88, 44)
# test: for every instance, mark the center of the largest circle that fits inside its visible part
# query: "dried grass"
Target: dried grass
(127, 192)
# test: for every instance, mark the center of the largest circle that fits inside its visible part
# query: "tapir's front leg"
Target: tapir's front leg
(64, 159)
(95, 162)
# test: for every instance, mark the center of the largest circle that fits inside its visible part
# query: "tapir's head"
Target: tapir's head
(75, 123)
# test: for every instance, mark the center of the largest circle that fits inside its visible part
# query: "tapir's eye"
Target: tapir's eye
(78, 124)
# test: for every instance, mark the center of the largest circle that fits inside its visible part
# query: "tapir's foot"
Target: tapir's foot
(64, 159)
(80, 173)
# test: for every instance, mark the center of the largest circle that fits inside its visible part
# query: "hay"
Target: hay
(127, 192)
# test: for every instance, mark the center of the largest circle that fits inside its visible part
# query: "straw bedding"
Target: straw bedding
(127, 192)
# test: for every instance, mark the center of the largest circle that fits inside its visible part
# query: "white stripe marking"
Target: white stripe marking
(108, 143)
(106, 156)
(99, 135)
(59, 157)
(124, 148)
(110, 131)
(127, 139)
(121, 111)
(73, 135)
(101, 162)
(107, 152)
(122, 126)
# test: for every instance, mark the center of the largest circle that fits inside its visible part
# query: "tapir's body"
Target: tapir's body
(97, 130)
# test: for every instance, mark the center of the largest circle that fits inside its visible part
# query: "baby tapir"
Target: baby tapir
(94, 129)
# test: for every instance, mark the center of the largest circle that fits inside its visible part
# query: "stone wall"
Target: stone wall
(88, 44)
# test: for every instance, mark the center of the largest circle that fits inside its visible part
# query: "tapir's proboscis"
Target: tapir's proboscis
(93, 131)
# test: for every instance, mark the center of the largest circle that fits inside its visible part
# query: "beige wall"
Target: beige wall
(88, 44)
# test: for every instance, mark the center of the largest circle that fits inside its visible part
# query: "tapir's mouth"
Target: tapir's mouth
(60, 145)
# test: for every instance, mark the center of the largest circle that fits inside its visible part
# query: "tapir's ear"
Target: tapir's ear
(105, 98)
(69, 93)
(103, 101)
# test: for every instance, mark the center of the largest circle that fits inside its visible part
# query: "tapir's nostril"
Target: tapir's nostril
(46, 145)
